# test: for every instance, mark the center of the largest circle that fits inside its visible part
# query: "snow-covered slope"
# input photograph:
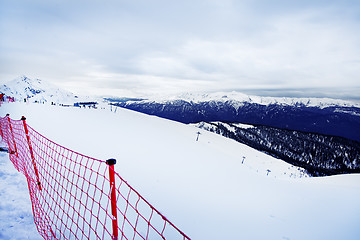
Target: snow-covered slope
(202, 186)
(36, 90)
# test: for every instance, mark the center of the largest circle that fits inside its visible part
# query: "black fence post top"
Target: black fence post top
(23, 118)
(8, 114)
(111, 161)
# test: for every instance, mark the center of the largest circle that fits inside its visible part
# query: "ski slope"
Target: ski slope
(213, 188)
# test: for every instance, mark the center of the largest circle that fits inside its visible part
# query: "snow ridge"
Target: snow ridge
(238, 98)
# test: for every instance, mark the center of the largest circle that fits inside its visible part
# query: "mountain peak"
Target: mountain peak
(35, 89)
(23, 79)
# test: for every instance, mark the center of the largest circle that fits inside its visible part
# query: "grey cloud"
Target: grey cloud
(165, 45)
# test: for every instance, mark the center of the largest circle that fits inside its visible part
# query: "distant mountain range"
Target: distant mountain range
(318, 115)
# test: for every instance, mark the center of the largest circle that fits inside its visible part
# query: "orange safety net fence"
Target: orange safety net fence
(74, 196)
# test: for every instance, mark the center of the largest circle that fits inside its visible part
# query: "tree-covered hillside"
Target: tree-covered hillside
(319, 154)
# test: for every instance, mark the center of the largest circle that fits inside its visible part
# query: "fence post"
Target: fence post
(13, 138)
(1, 132)
(31, 152)
(111, 163)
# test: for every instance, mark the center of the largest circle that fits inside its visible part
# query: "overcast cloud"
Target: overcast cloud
(133, 47)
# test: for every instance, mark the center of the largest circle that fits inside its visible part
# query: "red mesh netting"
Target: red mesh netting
(78, 197)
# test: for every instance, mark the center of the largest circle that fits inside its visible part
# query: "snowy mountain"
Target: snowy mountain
(213, 188)
(324, 116)
(36, 90)
(238, 98)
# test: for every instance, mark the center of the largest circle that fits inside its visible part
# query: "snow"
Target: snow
(206, 125)
(348, 112)
(241, 125)
(16, 217)
(201, 186)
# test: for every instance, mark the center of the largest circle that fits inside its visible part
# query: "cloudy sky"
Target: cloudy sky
(132, 47)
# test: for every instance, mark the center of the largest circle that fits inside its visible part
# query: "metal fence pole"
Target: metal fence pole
(111, 163)
(31, 152)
